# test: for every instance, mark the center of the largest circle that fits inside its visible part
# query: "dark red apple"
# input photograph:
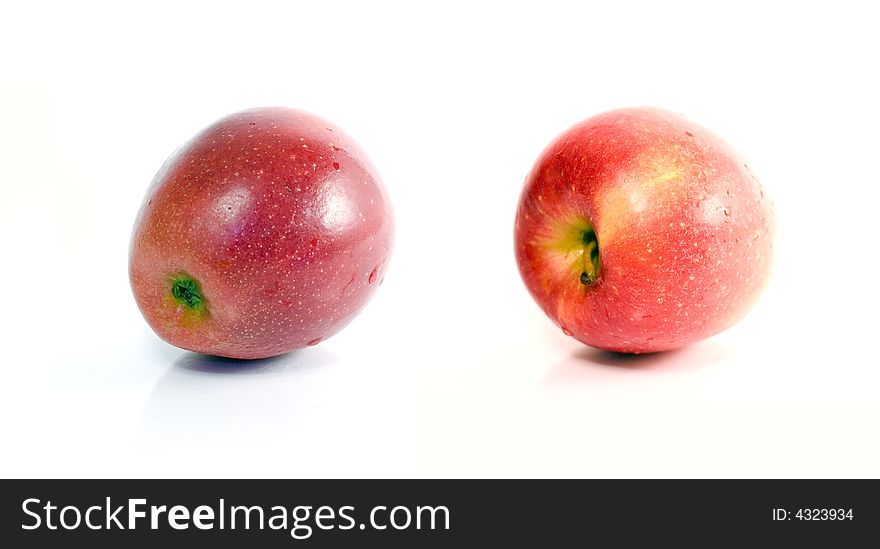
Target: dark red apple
(267, 232)
(639, 231)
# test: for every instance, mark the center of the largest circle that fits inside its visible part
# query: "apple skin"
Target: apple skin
(682, 233)
(265, 233)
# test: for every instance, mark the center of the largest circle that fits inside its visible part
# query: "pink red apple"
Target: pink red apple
(267, 232)
(639, 231)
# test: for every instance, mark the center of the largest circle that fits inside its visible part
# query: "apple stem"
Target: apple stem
(590, 271)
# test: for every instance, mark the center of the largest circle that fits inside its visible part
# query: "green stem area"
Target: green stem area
(590, 271)
(186, 291)
(573, 242)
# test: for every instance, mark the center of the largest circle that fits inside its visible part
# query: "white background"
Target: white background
(452, 370)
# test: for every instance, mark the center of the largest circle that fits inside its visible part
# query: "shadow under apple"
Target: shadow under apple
(210, 402)
(208, 364)
(588, 364)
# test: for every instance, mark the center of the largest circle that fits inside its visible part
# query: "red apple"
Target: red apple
(640, 231)
(266, 232)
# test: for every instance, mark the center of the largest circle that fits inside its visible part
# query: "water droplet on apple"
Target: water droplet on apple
(566, 331)
(314, 342)
(373, 275)
(726, 212)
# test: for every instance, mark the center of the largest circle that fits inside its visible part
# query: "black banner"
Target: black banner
(436, 513)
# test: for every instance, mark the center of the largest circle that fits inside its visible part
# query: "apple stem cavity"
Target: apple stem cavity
(574, 242)
(186, 291)
(590, 271)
